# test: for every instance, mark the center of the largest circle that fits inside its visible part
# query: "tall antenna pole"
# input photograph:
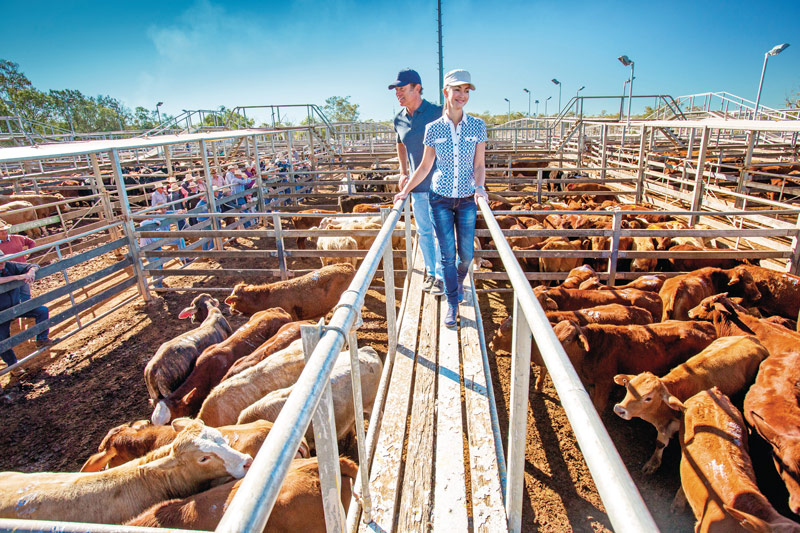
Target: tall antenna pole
(441, 70)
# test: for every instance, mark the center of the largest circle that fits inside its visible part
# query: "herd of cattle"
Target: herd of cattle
(216, 393)
(681, 347)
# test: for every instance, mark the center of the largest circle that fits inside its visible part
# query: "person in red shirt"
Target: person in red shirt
(11, 244)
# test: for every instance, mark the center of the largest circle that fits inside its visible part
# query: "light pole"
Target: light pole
(559, 93)
(545, 105)
(537, 107)
(775, 51)
(509, 109)
(625, 60)
(622, 100)
(158, 111)
(529, 101)
(577, 107)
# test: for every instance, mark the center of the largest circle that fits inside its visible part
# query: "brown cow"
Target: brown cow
(136, 439)
(649, 283)
(215, 361)
(603, 314)
(297, 508)
(38, 199)
(729, 363)
(309, 296)
(683, 264)
(284, 337)
(577, 276)
(11, 214)
(781, 290)
(174, 359)
(600, 351)
(685, 291)
(717, 476)
(558, 299)
(301, 222)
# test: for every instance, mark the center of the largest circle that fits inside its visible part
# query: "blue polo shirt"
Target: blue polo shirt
(11, 297)
(410, 132)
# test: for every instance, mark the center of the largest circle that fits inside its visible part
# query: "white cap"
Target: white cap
(458, 77)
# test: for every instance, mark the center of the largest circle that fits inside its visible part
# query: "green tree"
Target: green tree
(339, 109)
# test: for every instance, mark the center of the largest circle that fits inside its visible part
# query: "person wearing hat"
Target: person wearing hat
(12, 272)
(159, 196)
(12, 244)
(409, 124)
(457, 143)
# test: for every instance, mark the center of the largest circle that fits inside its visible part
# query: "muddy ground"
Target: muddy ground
(55, 417)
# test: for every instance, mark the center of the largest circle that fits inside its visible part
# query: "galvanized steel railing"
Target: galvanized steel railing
(624, 505)
(310, 397)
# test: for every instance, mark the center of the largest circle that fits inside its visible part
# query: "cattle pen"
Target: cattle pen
(729, 179)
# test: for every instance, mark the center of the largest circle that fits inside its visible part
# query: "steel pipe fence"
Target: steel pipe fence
(624, 505)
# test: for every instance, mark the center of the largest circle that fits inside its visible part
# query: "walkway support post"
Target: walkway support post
(518, 417)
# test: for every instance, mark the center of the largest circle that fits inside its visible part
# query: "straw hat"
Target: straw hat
(4, 225)
(189, 177)
(172, 179)
(159, 184)
(174, 187)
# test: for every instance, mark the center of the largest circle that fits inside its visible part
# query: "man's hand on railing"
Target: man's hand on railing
(480, 192)
(399, 197)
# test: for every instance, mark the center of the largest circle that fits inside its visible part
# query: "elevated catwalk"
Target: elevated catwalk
(438, 464)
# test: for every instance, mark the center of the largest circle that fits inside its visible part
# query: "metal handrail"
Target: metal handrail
(624, 505)
(250, 508)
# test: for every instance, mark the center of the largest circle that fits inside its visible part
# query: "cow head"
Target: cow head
(234, 301)
(547, 303)
(203, 451)
(199, 309)
(574, 340)
(742, 279)
(786, 449)
(502, 337)
(646, 397)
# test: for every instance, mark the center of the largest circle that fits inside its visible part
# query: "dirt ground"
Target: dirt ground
(56, 416)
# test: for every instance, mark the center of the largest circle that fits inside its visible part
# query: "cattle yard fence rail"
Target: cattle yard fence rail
(624, 505)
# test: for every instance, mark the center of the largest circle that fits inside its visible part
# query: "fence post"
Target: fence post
(743, 175)
(130, 233)
(407, 219)
(518, 417)
(388, 281)
(697, 199)
(325, 441)
(640, 172)
(358, 402)
(210, 199)
(259, 181)
(279, 247)
(604, 151)
(614, 257)
(98, 187)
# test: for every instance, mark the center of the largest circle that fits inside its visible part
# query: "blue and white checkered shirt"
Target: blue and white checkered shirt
(455, 154)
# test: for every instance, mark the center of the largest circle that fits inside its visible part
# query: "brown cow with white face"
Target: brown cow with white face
(197, 456)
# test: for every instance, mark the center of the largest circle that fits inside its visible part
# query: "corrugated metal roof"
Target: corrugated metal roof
(47, 151)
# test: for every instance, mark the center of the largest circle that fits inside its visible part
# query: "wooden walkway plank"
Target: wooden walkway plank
(416, 501)
(450, 498)
(488, 510)
(385, 471)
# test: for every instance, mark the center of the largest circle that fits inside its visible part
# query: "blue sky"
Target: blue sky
(206, 53)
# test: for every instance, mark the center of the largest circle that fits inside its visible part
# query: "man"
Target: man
(12, 272)
(12, 244)
(159, 196)
(410, 125)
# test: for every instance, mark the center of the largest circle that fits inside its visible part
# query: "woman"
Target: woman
(457, 142)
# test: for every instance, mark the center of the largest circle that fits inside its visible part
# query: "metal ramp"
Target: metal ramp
(439, 426)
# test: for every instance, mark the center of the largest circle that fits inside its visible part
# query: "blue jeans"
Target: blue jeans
(454, 224)
(40, 313)
(427, 240)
